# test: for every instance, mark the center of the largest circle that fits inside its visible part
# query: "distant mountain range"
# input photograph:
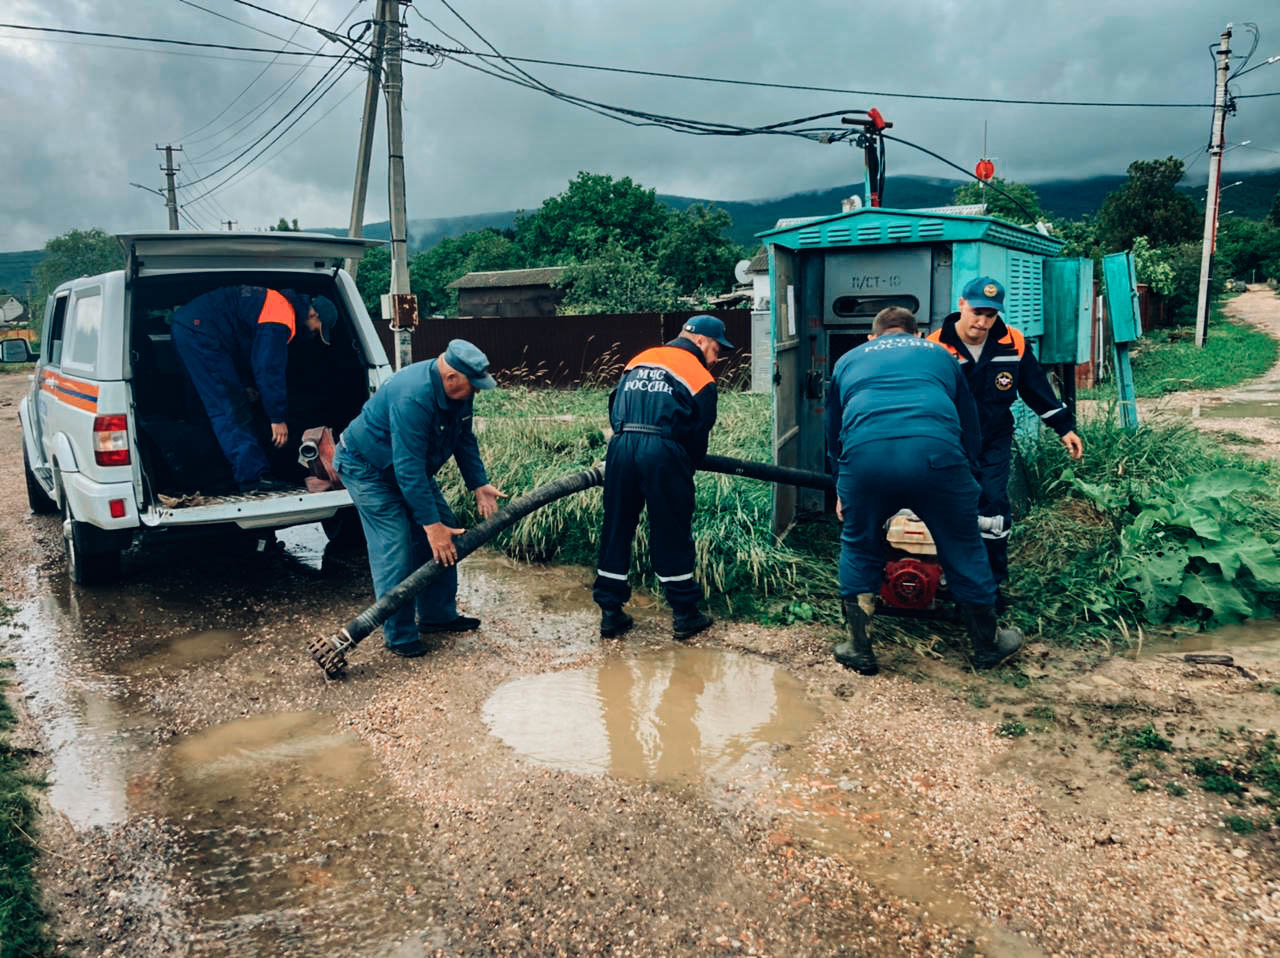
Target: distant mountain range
(1062, 198)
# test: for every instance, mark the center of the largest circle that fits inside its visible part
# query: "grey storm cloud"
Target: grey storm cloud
(82, 116)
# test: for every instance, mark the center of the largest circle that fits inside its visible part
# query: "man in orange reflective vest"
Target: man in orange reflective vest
(229, 332)
(661, 413)
(999, 368)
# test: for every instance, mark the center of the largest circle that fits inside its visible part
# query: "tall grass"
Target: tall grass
(22, 921)
(1167, 360)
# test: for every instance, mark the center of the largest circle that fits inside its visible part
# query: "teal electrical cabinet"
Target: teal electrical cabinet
(830, 275)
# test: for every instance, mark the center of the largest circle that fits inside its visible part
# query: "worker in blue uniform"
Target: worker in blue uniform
(999, 368)
(661, 413)
(902, 432)
(234, 343)
(388, 457)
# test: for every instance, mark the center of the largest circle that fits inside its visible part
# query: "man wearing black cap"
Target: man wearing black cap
(388, 457)
(999, 368)
(661, 413)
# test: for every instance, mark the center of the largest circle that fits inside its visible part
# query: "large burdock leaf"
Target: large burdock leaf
(1221, 598)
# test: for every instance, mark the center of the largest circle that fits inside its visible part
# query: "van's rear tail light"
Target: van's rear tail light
(111, 440)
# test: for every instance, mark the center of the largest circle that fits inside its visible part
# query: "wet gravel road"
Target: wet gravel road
(531, 790)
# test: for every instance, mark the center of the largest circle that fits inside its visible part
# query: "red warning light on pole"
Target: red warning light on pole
(985, 170)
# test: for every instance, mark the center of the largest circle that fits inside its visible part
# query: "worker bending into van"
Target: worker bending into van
(902, 432)
(661, 414)
(229, 332)
(999, 368)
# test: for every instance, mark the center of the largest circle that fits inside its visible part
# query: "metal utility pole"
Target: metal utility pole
(171, 192)
(229, 223)
(1215, 183)
(364, 153)
(404, 309)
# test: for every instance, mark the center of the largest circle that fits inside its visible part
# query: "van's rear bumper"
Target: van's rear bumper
(90, 501)
(252, 511)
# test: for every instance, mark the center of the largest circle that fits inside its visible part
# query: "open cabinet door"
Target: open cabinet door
(787, 380)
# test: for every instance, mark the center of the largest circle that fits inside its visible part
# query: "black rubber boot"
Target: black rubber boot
(614, 623)
(685, 625)
(855, 652)
(461, 623)
(992, 645)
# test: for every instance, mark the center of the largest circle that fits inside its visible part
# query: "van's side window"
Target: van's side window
(56, 323)
(81, 332)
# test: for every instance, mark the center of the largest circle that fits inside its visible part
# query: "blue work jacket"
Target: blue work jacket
(899, 386)
(411, 427)
(234, 320)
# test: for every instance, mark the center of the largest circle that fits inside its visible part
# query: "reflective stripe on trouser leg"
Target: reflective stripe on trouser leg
(623, 501)
(994, 466)
(668, 488)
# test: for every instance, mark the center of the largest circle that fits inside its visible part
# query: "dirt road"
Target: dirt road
(533, 790)
(1245, 417)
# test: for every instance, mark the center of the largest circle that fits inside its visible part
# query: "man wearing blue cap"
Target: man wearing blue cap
(661, 413)
(388, 457)
(234, 328)
(1000, 368)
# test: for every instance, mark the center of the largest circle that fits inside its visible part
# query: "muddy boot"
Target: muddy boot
(991, 644)
(614, 623)
(685, 625)
(856, 652)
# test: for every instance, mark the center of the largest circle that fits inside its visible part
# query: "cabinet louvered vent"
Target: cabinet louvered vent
(810, 237)
(868, 234)
(930, 230)
(838, 234)
(900, 231)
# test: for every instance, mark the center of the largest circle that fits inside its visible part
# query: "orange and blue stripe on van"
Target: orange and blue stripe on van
(73, 392)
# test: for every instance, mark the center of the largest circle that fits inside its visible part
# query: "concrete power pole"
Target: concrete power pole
(404, 309)
(171, 193)
(368, 120)
(1215, 184)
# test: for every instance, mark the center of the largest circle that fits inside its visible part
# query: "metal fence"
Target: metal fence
(565, 351)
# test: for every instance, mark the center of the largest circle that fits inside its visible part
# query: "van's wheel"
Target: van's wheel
(37, 498)
(88, 561)
(344, 531)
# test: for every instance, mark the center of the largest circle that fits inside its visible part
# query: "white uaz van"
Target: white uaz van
(115, 436)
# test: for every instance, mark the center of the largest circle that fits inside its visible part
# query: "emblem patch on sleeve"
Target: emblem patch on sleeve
(1004, 380)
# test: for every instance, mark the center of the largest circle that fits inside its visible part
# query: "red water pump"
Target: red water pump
(913, 577)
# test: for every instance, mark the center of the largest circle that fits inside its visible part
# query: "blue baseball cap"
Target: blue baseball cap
(709, 326)
(468, 360)
(984, 293)
(328, 314)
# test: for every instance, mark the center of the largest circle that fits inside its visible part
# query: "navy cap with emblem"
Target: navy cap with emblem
(328, 314)
(467, 359)
(984, 293)
(709, 326)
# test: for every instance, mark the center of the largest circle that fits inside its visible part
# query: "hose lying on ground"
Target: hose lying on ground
(330, 652)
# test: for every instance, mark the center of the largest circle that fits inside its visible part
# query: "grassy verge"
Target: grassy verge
(22, 921)
(1168, 361)
(1208, 522)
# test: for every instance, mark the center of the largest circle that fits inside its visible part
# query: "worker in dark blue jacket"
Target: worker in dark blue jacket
(999, 368)
(661, 413)
(388, 457)
(902, 432)
(236, 338)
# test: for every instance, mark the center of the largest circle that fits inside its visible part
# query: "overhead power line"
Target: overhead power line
(241, 23)
(169, 40)
(160, 51)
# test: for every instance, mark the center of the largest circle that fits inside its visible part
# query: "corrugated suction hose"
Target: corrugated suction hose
(330, 652)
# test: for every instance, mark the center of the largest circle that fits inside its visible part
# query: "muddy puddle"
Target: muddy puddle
(678, 715)
(1268, 408)
(1256, 641)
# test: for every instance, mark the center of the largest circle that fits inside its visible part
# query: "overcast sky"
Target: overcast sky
(80, 122)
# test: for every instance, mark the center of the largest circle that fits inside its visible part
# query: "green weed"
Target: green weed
(1240, 825)
(1044, 713)
(1174, 789)
(1147, 738)
(977, 698)
(1167, 360)
(22, 920)
(1221, 785)
(1012, 728)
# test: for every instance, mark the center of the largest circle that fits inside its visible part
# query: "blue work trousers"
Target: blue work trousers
(397, 546)
(994, 501)
(645, 470)
(213, 372)
(930, 477)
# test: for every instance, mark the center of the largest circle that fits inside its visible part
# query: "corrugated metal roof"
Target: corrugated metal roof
(541, 276)
(880, 226)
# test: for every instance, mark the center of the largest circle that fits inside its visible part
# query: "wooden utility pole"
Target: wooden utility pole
(1215, 185)
(364, 152)
(171, 192)
(404, 310)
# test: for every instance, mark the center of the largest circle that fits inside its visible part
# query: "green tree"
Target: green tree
(74, 253)
(374, 278)
(1082, 238)
(617, 280)
(1245, 246)
(431, 271)
(1274, 216)
(1026, 211)
(696, 252)
(596, 211)
(1149, 205)
(284, 226)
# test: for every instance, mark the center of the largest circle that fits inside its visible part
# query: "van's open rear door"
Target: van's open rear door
(151, 254)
